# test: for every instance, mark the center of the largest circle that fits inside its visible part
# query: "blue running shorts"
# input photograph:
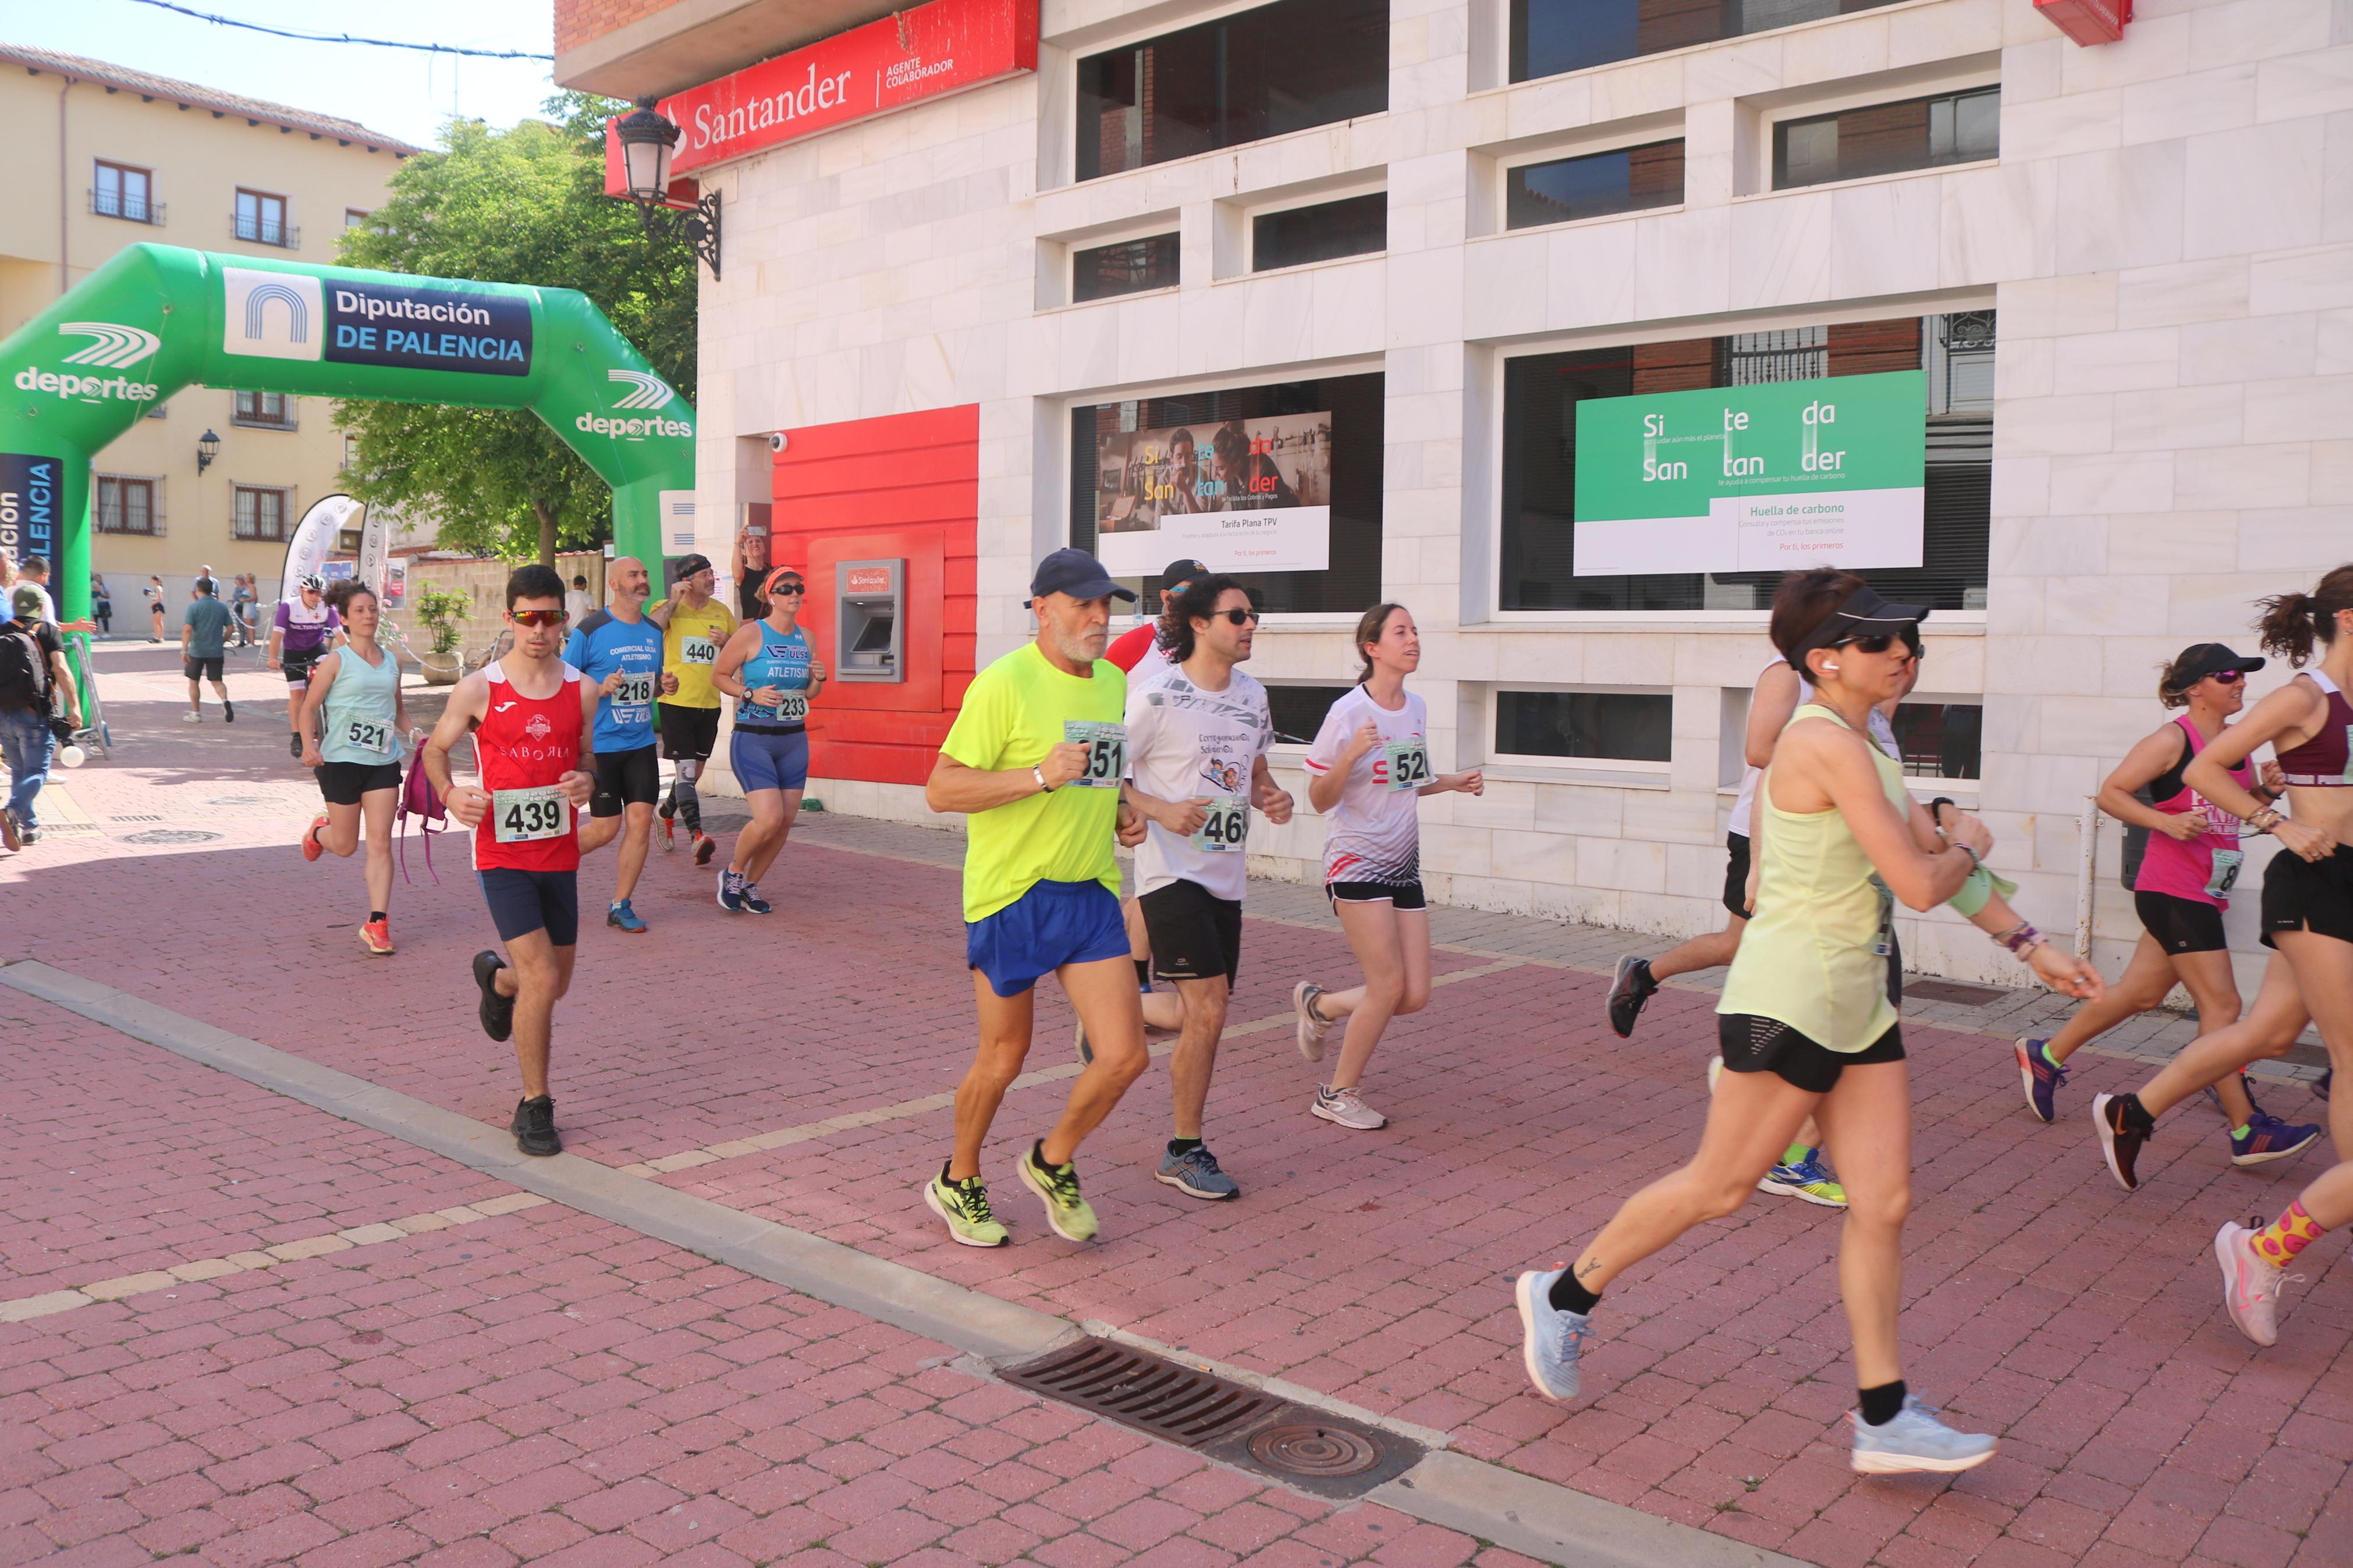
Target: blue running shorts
(1052, 924)
(764, 758)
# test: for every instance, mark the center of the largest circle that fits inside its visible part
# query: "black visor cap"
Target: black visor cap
(1863, 613)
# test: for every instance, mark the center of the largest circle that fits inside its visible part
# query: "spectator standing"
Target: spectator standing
(203, 632)
(100, 604)
(578, 603)
(154, 594)
(33, 672)
(34, 573)
(241, 602)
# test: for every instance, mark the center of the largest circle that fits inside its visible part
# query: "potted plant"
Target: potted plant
(444, 614)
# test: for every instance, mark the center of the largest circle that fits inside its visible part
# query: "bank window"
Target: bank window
(356, 217)
(261, 513)
(267, 410)
(118, 190)
(125, 505)
(1126, 267)
(1537, 543)
(1243, 78)
(1359, 226)
(1298, 710)
(1888, 139)
(1302, 458)
(1617, 726)
(1594, 185)
(1941, 739)
(261, 218)
(1549, 36)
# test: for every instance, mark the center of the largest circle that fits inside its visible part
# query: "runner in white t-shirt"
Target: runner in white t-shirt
(1197, 734)
(1367, 770)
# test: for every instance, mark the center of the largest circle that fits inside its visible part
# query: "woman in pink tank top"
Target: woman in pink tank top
(2182, 887)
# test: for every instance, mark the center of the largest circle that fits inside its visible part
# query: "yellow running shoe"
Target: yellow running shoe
(1057, 1187)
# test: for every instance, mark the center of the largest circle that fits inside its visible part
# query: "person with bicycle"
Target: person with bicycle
(33, 672)
(305, 627)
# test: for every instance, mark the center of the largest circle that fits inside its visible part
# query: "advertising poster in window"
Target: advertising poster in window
(1240, 495)
(1768, 477)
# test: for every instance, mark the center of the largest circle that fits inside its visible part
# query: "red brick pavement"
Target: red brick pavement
(2044, 1303)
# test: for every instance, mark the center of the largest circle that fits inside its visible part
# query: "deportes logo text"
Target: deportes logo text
(86, 388)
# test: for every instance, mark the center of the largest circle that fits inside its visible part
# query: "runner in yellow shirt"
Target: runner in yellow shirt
(696, 626)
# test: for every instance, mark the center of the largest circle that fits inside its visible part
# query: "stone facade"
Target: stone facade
(2166, 237)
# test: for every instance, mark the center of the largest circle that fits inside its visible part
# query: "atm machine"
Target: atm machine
(870, 626)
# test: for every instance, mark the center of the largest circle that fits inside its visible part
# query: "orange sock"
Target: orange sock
(2279, 1241)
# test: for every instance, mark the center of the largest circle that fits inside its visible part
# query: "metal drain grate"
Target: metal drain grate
(1951, 991)
(134, 819)
(1249, 1428)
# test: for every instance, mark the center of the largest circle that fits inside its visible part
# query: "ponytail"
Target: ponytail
(2292, 623)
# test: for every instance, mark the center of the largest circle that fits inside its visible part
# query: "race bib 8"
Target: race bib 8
(637, 690)
(1226, 828)
(368, 736)
(698, 650)
(522, 815)
(1106, 747)
(2225, 874)
(1408, 764)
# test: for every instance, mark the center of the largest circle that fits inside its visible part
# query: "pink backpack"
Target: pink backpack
(420, 800)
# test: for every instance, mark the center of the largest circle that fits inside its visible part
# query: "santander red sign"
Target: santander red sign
(927, 52)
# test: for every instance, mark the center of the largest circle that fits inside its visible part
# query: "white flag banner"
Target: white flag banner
(306, 552)
(375, 550)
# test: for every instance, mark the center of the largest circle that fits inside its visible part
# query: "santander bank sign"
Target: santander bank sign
(927, 52)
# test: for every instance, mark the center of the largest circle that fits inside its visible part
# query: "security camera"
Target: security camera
(778, 442)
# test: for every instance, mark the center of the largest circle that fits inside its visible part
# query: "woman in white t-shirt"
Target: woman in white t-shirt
(1367, 770)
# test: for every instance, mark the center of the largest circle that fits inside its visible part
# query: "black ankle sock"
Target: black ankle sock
(1183, 1145)
(374, 915)
(2131, 1116)
(1568, 1296)
(1144, 973)
(1882, 1404)
(1038, 1156)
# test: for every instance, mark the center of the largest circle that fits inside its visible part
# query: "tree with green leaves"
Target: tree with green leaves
(524, 206)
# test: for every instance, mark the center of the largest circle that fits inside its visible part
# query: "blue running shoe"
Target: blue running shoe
(1196, 1173)
(2268, 1139)
(1915, 1440)
(2040, 1079)
(625, 918)
(753, 901)
(1807, 1181)
(1550, 1339)
(730, 892)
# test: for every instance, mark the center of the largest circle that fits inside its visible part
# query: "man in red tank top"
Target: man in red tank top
(532, 718)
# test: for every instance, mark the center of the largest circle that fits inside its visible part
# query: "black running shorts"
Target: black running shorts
(630, 778)
(1404, 895)
(524, 901)
(1195, 933)
(202, 667)
(2305, 895)
(2179, 924)
(1752, 1044)
(347, 784)
(687, 734)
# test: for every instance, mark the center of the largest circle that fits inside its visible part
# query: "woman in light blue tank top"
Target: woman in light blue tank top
(354, 733)
(772, 672)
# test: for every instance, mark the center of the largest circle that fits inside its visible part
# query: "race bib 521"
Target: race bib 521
(1408, 764)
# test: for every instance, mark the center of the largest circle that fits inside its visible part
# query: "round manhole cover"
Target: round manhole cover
(172, 835)
(1311, 1449)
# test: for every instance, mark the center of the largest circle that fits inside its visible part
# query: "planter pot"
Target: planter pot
(440, 668)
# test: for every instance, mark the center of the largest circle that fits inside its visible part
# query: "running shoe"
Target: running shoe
(621, 917)
(1057, 1187)
(534, 1127)
(496, 1012)
(294, 747)
(1195, 1172)
(2268, 1139)
(730, 892)
(1314, 1030)
(965, 1206)
(754, 902)
(1629, 989)
(1915, 1440)
(1806, 1181)
(2040, 1079)
(2251, 1283)
(2120, 1144)
(228, 712)
(312, 848)
(1347, 1108)
(705, 846)
(1550, 1339)
(8, 832)
(2247, 1087)
(377, 937)
(193, 717)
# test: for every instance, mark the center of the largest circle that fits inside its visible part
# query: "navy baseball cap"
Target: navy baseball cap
(1077, 574)
(1184, 570)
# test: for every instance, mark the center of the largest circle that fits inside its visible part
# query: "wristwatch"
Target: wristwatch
(1039, 775)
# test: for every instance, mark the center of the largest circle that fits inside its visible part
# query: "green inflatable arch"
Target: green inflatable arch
(158, 318)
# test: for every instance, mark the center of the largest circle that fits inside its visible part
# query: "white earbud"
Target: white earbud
(1831, 667)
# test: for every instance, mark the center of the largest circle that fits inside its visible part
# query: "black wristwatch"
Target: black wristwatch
(1937, 816)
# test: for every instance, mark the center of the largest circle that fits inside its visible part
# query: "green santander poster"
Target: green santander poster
(1771, 478)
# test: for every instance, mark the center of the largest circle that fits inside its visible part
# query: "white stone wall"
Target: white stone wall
(2167, 236)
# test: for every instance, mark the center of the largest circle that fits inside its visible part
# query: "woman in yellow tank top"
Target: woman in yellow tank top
(1805, 1022)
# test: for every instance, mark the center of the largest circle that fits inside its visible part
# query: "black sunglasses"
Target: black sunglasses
(1880, 642)
(1234, 618)
(787, 588)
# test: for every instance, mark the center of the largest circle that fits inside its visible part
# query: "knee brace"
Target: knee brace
(689, 805)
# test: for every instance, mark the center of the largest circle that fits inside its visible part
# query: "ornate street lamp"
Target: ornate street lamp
(647, 141)
(208, 449)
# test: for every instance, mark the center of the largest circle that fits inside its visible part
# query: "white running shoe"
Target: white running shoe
(1347, 1108)
(2251, 1283)
(1313, 1031)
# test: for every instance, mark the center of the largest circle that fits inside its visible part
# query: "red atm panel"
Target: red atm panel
(906, 486)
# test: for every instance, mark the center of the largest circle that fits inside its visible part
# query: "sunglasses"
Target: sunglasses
(539, 617)
(2228, 677)
(1235, 617)
(796, 589)
(1880, 642)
